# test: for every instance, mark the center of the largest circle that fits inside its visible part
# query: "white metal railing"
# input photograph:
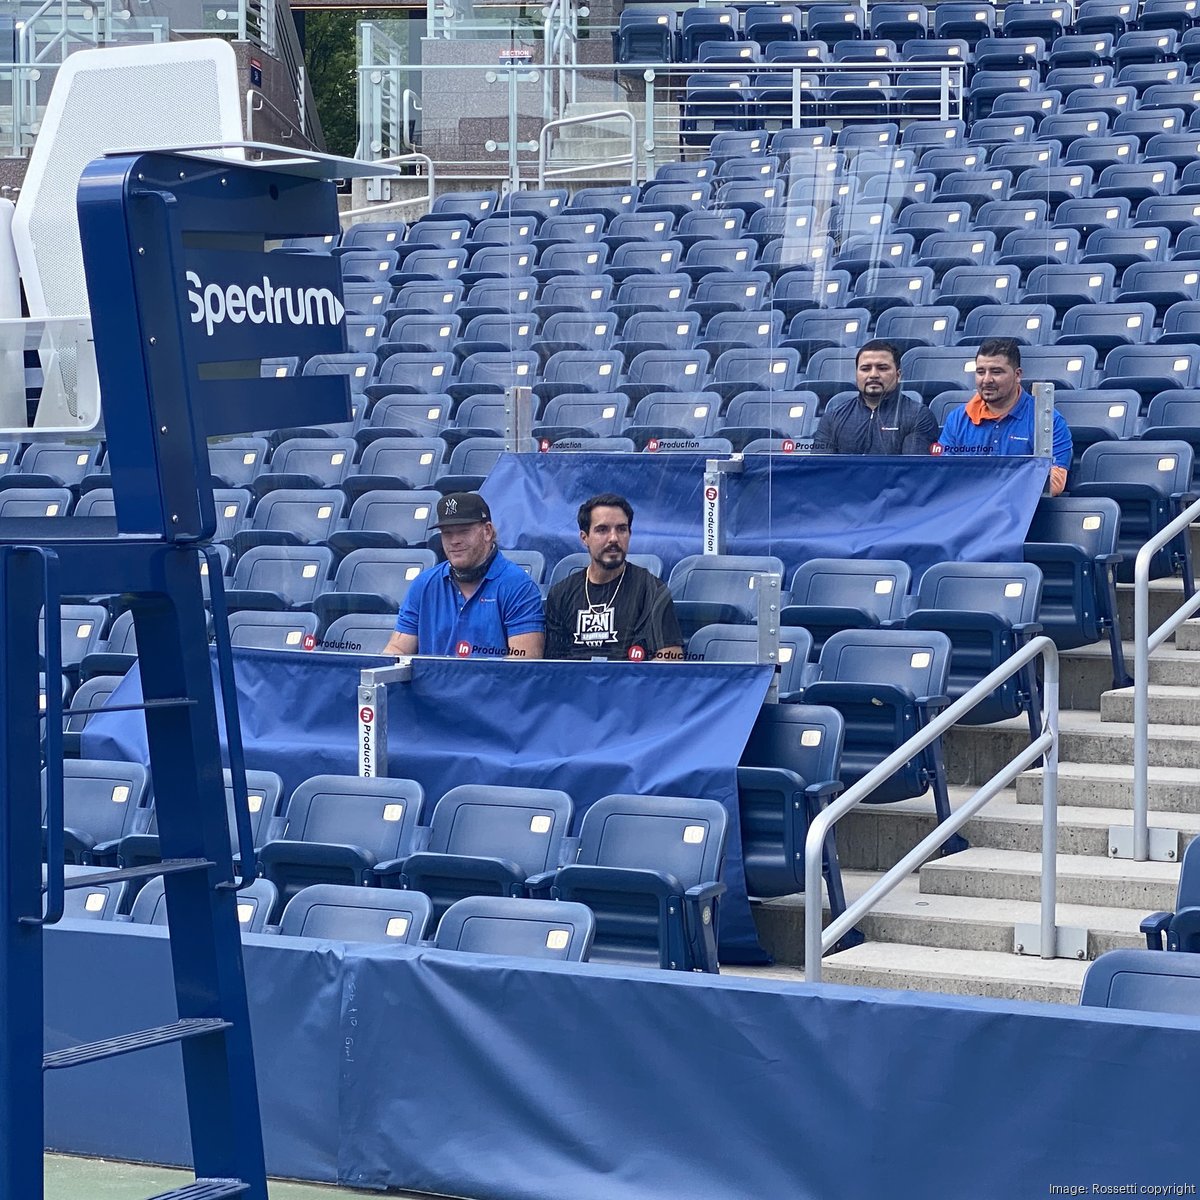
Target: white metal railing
(30, 92)
(256, 102)
(399, 160)
(613, 114)
(1046, 744)
(410, 103)
(560, 37)
(1144, 644)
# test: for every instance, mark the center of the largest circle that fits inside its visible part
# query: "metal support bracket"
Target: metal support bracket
(1163, 843)
(372, 716)
(518, 417)
(1043, 424)
(1070, 941)
(768, 589)
(716, 473)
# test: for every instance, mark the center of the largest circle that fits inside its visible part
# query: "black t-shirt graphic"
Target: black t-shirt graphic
(589, 620)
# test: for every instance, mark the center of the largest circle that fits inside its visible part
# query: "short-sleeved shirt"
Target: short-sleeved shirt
(969, 431)
(506, 603)
(898, 425)
(606, 620)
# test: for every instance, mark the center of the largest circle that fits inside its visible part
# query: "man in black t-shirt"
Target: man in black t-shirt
(611, 608)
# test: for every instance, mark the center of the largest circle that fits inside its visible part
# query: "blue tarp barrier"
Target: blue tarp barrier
(922, 510)
(591, 729)
(504, 1079)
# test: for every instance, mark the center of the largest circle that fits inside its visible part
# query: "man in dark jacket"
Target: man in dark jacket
(880, 419)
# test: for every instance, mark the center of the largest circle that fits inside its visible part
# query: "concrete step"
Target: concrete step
(1166, 595)
(1087, 672)
(875, 837)
(951, 972)
(1174, 792)
(975, 753)
(598, 150)
(1016, 875)
(1187, 637)
(1169, 704)
(909, 916)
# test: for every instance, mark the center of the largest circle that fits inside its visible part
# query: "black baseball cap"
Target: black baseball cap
(461, 508)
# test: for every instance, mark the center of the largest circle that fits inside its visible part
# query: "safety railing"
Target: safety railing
(284, 127)
(410, 103)
(29, 86)
(424, 197)
(629, 160)
(817, 942)
(560, 37)
(467, 137)
(1144, 644)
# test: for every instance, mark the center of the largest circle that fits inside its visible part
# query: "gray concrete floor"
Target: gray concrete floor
(70, 1178)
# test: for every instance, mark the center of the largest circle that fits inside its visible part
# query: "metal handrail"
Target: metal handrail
(410, 102)
(1144, 644)
(816, 942)
(396, 160)
(255, 102)
(629, 159)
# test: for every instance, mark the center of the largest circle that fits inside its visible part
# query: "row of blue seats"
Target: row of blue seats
(481, 924)
(1046, 19)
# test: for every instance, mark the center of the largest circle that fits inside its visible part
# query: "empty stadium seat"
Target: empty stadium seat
(337, 829)
(254, 905)
(649, 868)
(101, 900)
(342, 912)
(279, 577)
(1146, 982)
(1179, 930)
(830, 594)
(718, 589)
(272, 630)
(484, 840)
(102, 801)
(372, 580)
(521, 928)
(739, 643)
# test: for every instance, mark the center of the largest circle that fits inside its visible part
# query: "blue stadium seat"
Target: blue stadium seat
(1074, 542)
(1106, 16)
(272, 630)
(35, 502)
(1098, 416)
(645, 34)
(81, 629)
(989, 611)
(102, 801)
(1111, 100)
(1144, 981)
(418, 333)
(968, 21)
(583, 414)
(397, 462)
(831, 594)
(337, 829)
(734, 52)
(292, 517)
(714, 103)
(58, 464)
(1048, 19)
(414, 374)
(831, 23)
(1081, 50)
(1104, 327)
(471, 460)
(485, 840)
(436, 297)
(652, 293)
(1067, 127)
(609, 200)
(1161, 284)
(799, 291)
(1087, 214)
(674, 414)
(786, 414)
(705, 25)
(368, 266)
(888, 684)
(88, 698)
(359, 633)
(1174, 415)
(279, 577)
(406, 416)
(345, 913)
(739, 643)
(767, 23)
(718, 588)
(537, 202)
(899, 22)
(101, 900)
(1179, 930)
(1149, 370)
(475, 206)
(648, 867)
(1151, 481)
(508, 230)
(1063, 365)
(307, 463)
(447, 232)
(1064, 286)
(373, 235)
(371, 581)
(254, 905)
(939, 216)
(521, 928)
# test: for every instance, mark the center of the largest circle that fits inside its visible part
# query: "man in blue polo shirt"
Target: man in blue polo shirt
(476, 602)
(999, 418)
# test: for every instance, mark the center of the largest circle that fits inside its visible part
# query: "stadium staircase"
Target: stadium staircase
(950, 927)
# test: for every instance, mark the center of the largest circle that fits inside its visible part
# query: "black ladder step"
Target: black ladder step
(206, 1189)
(170, 866)
(143, 1039)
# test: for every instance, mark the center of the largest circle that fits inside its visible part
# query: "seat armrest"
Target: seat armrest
(705, 891)
(932, 703)
(1184, 931)
(539, 886)
(1155, 927)
(819, 794)
(617, 879)
(104, 854)
(392, 869)
(1028, 629)
(317, 854)
(501, 871)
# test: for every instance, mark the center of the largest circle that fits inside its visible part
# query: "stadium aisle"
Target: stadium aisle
(72, 1178)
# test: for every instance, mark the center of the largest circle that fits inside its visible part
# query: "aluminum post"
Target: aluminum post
(518, 417)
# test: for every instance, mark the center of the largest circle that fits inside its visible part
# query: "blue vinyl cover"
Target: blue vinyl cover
(922, 510)
(591, 729)
(510, 1079)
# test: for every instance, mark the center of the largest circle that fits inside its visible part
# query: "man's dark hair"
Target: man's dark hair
(883, 346)
(604, 500)
(1006, 348)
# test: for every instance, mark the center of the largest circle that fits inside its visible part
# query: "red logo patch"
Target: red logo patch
(710, 493)
(544, 444)
(652, 444)
(637, 653)
(310, 642)
(366, 714)
(463, 649)
(788, 445)
(936, 448)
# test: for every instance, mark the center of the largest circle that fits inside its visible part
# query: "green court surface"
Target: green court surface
(70, 1178)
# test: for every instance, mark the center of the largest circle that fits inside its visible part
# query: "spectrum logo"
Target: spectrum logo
(262, 304)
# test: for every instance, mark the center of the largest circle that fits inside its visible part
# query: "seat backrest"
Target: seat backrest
(357, 914)
(359, 633)
(1165, 467)
(914, 661)
(1145, 980)
(272, 630)
(721, 577)
(522, 825)
(99, 901)
(1090, 522)
(296, 573)
(804, 738)
(254, 904)
(1009, 590)
(554, 929)
(739, 644)
(100, 797)
(405, 514)
(376, 814)
(875, 586)
(382, 572)
(682, 837)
